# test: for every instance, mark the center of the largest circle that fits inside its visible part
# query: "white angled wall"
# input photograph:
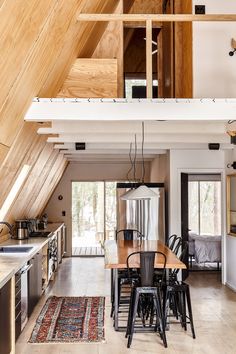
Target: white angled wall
(214, 71)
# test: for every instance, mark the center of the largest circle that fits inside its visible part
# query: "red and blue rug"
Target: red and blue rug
(70, 319)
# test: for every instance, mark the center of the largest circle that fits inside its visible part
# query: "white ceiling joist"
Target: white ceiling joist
(72, 127)
(45, 110)
(153, 147)
(150, 138)
(112, 152)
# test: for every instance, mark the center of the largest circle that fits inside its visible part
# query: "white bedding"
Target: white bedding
(205, 248)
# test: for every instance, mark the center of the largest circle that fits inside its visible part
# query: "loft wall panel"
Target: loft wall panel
(91, 78)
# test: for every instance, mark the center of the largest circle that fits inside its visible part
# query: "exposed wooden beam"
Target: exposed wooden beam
(154, 17)
(149, 58)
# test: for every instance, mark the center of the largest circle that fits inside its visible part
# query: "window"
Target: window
(205, 207)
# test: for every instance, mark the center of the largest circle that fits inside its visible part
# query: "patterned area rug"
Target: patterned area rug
(70, 319)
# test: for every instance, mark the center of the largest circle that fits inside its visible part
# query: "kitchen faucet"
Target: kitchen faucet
(10, 227)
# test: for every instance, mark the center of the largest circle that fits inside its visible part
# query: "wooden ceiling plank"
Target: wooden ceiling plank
(16, 40)
(53, 186)
(35, 178)
(3, 152)
(25, 150)
(46, 188)
(48, 166)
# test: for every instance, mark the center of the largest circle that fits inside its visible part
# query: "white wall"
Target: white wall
(214, 71)
(159, 169)
(84, 172)
(230, 240)
(193, 161)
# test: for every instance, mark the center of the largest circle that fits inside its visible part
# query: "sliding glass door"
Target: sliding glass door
(93, 216)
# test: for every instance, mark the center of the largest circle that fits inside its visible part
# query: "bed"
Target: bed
(205, 248)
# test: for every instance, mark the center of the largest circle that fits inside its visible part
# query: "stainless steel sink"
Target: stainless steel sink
(15, 249)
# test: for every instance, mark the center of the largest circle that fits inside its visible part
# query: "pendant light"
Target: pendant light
(142, 192)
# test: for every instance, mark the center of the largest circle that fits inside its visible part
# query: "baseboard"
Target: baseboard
(232, 287)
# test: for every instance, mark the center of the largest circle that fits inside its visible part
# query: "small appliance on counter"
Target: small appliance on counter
(42, 222)
(22, 229)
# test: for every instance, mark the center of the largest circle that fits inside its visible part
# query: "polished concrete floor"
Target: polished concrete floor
(214, 309)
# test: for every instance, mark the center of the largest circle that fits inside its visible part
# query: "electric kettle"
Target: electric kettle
(22, 229)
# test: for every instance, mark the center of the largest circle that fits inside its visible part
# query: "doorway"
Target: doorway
(93, 216)
(201, 217)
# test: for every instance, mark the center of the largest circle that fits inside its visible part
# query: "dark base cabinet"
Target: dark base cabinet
(5, 318)
(34, 282)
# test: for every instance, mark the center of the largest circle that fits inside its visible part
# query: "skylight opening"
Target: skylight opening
(14, 191)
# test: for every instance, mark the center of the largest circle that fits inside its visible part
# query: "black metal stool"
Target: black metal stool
(177, 294)
(127, 235)
(145, 299)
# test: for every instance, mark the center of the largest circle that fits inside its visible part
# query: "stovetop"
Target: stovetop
(40, 234)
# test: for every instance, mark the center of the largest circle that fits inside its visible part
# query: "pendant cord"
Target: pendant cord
(143, 165)
(131, 161)
(135, 156)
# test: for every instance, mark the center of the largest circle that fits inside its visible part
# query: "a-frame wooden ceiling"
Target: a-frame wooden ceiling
(39, 42)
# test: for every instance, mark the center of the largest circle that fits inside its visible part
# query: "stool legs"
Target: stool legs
(157, 309)
(133, 318)
(190, 311)
(176, 297)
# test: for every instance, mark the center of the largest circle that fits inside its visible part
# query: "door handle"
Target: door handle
(26, 269)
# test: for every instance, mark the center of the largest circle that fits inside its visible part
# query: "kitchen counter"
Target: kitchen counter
(10, 263)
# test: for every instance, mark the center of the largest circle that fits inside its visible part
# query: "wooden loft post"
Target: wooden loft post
(149, 57)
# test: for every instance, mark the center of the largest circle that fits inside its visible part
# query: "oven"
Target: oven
(21, 298)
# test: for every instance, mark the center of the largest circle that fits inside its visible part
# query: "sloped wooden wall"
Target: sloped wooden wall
(39, 42)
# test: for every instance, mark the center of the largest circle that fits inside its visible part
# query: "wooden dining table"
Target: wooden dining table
(116, 253)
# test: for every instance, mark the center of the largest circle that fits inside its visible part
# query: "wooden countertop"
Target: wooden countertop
(116, 253)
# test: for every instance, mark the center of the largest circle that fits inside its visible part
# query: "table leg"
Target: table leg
(116, 312)
(112, 286)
